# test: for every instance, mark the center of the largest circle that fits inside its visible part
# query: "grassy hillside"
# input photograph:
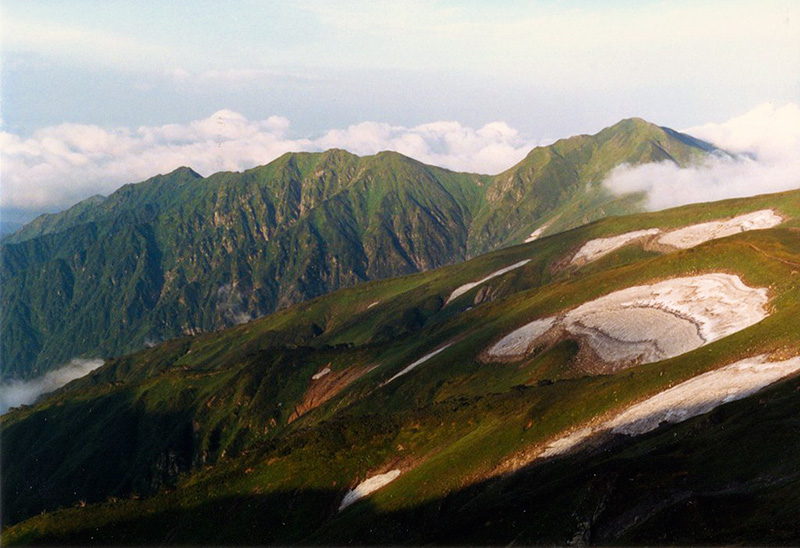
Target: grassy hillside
(181, 254)
(229, 438)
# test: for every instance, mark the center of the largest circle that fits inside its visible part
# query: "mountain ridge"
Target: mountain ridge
(296, 409)
(181, 253)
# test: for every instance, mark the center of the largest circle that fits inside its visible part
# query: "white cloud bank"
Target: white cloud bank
(59, 165)
(16, 393)
(766, 141)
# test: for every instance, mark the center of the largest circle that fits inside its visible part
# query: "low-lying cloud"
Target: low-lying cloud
(59, 165)
(16, 393)
(231, 305)
(766, 145)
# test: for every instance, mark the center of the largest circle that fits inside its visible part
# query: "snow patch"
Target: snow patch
(466, 287)
(373, 304)
(680, 238)
(321, 374)
(693, 235)
(367, 487)
(600, 247)
(688, 399)
(423, 359)
(650, 323)
(519, 341)
(659, 321)
(536, 234)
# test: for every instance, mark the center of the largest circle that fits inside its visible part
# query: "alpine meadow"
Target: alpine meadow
(410, 316)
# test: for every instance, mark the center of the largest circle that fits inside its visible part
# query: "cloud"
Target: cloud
(766, 144)
(768, 132)
(59, 165)
(568, 44)
(16, 393)
(231, 305)
(489, 149)
(64, 41)
(236, 78)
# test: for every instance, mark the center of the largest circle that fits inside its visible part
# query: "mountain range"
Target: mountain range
(183, 254)
(630, 381)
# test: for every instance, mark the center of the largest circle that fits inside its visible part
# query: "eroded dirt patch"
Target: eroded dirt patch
(325, 384)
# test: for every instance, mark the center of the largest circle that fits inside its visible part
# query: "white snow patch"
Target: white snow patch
(466, 287)
(600, 247)
(373, 304)
(689, 399)
(518, 342)
(650, 323)
(691, 236)
(423, 359)
(536, 234)
(368, 486)
(659, 321)
(321, 374)
(568, 442)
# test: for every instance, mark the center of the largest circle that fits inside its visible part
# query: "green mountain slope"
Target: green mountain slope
(255, 434)
(181, 254)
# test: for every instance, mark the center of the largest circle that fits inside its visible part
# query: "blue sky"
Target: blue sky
(546, 69)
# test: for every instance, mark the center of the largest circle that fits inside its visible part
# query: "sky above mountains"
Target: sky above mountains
(96, 94)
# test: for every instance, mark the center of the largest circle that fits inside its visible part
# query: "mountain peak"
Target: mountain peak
(634, 125)
(186, 171)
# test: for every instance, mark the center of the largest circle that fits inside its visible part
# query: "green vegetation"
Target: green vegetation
(198, 440)
(182, 254)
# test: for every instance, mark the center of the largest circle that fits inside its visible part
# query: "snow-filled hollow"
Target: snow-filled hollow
(691, 398)
(367, 487)
(466, 287)
(649, 323)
